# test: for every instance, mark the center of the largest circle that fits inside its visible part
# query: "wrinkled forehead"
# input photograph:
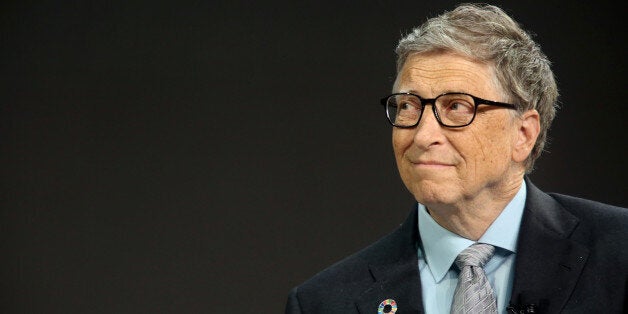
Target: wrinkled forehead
(442, 71)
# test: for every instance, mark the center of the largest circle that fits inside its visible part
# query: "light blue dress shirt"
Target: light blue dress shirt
(439, 248)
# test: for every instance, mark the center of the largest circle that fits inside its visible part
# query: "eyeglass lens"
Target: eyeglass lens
(451, 109)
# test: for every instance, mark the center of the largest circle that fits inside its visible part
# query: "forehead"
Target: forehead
(435, 73)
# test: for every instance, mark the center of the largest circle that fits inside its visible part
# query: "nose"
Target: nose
(428, 132)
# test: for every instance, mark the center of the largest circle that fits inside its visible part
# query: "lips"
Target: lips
(428, 159)
(430, 163)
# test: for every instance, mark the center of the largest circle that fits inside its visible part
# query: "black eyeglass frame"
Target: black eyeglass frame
(432, 101)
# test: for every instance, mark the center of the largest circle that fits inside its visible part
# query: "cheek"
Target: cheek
(487, 149)
(400, 141)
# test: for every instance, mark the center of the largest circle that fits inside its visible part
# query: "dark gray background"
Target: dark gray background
(188, 157)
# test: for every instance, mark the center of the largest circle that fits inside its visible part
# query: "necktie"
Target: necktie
(474, 293)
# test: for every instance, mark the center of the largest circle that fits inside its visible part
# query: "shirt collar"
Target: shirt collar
(504, 231)
(441, 246)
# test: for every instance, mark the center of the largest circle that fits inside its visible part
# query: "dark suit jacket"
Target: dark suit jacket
(572, 257)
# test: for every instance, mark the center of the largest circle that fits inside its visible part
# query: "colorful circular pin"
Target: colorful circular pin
(387, 306)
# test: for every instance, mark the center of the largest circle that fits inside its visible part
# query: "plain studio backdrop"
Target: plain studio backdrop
(207, 156)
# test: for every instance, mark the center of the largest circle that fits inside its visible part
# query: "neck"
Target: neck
(471, 218)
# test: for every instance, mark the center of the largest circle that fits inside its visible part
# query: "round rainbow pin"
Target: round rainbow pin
(387, 306)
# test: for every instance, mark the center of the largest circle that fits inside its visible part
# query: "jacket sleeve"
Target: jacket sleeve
(293, 306)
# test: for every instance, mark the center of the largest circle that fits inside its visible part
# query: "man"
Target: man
(471, 105)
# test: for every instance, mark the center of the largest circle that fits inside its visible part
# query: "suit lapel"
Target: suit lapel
(398, 282)
(548, 263)
(395, 273)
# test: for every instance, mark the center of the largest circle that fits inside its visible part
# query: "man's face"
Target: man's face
(454, 166)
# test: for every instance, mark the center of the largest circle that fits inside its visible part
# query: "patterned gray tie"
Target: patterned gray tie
(474, 293)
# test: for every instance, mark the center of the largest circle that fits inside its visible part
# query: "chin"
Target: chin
(430, 192)
(433, 200)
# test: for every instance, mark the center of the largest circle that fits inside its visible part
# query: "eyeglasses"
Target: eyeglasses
(453, 110)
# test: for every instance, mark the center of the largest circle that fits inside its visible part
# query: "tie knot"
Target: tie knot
(475, 255)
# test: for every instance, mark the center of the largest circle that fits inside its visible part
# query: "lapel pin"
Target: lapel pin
(387, 306)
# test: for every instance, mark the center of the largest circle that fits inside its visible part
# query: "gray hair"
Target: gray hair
(487, 34)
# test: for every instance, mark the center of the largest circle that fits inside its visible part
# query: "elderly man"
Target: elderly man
(470, 109)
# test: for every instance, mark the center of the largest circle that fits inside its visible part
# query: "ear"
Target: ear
(528, 131)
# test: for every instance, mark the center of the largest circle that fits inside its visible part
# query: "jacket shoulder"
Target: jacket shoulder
(350, 271)
(596, 214)
(603, 228)
(335, 289)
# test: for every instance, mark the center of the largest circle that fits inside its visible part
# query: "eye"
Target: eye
(458, 106)
(408, 103)
(455, 106)
(406, 106)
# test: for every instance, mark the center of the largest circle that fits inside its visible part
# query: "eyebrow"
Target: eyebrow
(447, 91)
